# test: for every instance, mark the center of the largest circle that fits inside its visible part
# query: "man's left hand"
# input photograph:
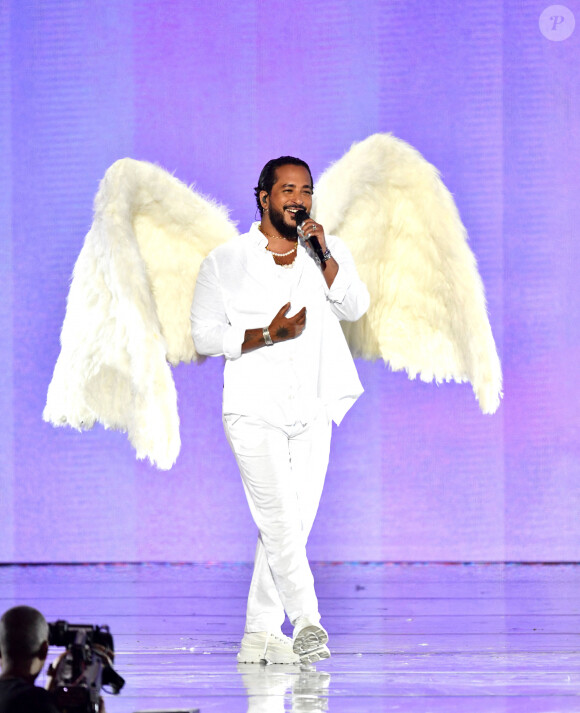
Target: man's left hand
(310, 228)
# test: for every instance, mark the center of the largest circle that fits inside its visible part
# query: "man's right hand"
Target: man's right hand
(282, 328)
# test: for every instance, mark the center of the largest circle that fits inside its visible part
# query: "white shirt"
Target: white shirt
(240, 287)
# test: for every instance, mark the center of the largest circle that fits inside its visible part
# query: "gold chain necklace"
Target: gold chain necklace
(276, 237)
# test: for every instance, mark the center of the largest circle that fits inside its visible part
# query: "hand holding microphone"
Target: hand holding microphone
(308, 229)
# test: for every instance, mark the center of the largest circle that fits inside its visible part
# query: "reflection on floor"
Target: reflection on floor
(404, 637)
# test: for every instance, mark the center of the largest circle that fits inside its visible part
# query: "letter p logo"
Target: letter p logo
(557, 23)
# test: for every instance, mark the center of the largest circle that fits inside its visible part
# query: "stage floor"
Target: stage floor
(404, 637)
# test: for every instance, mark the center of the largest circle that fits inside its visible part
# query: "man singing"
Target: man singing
(272, 307)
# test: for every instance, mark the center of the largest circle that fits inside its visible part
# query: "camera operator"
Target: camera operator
(23, 651)
(24, 636)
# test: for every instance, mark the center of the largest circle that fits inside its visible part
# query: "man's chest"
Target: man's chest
(259, 291)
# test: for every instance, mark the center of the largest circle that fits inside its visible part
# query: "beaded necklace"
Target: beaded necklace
(274, 237)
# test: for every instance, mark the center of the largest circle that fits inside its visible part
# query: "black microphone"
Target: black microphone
(301, 216)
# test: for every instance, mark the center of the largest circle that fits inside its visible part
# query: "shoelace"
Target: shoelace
(266, 645)
(272, 636)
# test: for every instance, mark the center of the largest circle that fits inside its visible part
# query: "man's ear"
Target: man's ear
(43, 651)
(263, 198)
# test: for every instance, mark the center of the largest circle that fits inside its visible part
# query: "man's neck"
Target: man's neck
(24, 672)
(271, 233)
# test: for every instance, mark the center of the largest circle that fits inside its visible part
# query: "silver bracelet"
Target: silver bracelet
(267, 337)
(326, 255)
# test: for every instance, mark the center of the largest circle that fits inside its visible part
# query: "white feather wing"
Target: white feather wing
(128, 307)
(428, 313)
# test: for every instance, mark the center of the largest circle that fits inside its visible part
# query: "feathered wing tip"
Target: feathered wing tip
(428, 312)
(128, 308)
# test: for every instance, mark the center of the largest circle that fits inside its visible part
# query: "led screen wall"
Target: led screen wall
(211, 91)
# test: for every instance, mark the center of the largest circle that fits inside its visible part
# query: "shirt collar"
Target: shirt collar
(260, 239)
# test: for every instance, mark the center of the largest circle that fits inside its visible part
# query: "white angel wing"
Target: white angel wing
(128, 307)
(428, 313)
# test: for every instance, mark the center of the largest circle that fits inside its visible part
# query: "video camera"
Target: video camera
(85, 667)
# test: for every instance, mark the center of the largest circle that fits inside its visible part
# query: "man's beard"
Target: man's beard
(290, 232)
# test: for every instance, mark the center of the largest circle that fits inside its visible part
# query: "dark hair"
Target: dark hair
(23, 630)
(268, 175)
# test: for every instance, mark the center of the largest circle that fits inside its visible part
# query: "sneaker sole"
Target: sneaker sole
(309, 640)
(257, 657)
(247, 657)
(316, 655)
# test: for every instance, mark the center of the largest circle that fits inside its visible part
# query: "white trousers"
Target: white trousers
(283, 471)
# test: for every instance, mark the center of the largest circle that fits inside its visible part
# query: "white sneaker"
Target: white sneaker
(310, 642)
(264, 646)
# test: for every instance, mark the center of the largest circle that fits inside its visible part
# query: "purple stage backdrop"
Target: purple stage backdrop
(212, 91)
